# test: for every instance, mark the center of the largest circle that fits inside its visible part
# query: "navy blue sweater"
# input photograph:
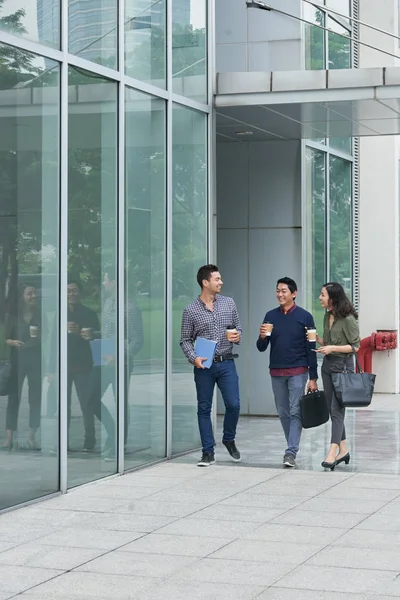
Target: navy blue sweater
(289, 344)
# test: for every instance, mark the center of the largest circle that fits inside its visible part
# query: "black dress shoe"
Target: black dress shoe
(345, 459)
(328, 465)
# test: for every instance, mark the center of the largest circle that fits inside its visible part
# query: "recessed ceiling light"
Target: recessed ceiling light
(244, 133)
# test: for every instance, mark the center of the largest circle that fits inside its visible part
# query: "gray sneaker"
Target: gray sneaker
(288, 461)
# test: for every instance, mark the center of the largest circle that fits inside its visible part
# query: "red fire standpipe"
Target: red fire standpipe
(364, 354)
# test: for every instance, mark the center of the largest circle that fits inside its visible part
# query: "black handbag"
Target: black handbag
(5, 377)
(313, 409)
(353, 390)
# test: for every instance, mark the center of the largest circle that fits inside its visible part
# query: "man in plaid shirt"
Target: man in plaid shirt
(209, 316)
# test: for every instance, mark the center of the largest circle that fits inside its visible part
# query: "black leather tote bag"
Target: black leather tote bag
(313, 409)
(354, 390)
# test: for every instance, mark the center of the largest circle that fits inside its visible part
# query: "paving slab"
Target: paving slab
(208, 528)
(362, 558)
(295, 534)
(171, 590)
(268, 552)
(16, 579)
(334, 579)
(234, 571)
(274, 593)
(48, 557)
(313, 518)
(182, 545)
(92, 586)
(142, 565)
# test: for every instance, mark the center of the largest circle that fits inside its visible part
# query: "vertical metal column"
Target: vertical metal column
(63, 249)
(212, 217)
(168, 246)
(122, 385)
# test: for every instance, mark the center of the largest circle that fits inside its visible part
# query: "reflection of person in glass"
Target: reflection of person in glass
(104, 377)
(83, 324)
(23, 335)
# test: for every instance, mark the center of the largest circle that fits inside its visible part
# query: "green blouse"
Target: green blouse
(343, 331)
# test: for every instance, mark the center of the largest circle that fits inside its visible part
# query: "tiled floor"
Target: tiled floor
(177, 532)
(233, 531)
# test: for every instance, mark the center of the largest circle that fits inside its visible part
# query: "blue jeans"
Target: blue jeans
(287, 392)
(225, 376)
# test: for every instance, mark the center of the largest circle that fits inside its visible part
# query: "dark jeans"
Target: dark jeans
(28, 365)
(287, 393)
(225, 376)
(334, 364)
(102, 378)
(83, 386)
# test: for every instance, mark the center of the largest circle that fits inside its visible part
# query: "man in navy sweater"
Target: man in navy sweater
(292, 361)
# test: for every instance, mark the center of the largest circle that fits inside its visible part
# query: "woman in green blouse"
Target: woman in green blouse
(341, 332)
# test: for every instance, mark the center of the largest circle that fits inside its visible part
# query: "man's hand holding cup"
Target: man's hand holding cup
(266, 330)
(232, 335)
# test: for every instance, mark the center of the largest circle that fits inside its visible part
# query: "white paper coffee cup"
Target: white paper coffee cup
(34, 331)
(312, 335)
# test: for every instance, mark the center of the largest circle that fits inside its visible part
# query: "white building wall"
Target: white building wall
(256, 40)
(379, 206)
(259, 241)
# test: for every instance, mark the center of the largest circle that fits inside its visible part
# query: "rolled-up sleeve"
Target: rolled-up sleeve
(187, 342)
(352, 331)
(236, 320)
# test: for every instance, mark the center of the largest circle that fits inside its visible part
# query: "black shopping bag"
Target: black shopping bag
(313, 409)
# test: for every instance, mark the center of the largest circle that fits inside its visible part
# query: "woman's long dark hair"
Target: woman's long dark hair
(16, 300)
(340, 304)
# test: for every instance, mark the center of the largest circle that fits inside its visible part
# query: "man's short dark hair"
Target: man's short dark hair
(292, 285)
(75, 281)
(205, 272)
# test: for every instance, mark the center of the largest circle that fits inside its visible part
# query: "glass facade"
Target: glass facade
(104, 168)
(329, 48)
(328, 166)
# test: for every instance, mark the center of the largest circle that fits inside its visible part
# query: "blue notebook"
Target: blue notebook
(101, 348)
(205, 349)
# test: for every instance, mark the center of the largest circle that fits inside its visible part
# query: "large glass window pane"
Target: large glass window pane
(340, 222)
(29, 274)
(92, 304)
(339, 55)
(342, 144)
(92, 30)
(145, 40)
(189, 253)
(37, 20)
(316, 231)
(145, 199)
(189, 48)
(314, 38)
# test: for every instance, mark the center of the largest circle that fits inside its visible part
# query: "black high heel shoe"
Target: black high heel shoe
(330, 466)
(345, 459)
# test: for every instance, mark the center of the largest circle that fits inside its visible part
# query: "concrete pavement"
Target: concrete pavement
(178, 532)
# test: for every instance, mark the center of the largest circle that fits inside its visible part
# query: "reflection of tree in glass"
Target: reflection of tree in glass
(338, 50)
(340, 219)
(189, 208)
(21, 230)
(188, 48)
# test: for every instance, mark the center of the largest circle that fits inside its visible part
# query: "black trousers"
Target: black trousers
(26, 365)
(334, 364)
(103, 377)
(83, 385)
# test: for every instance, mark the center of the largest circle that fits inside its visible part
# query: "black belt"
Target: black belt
(223, 357)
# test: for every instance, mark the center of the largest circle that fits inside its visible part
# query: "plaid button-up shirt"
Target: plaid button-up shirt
(199, 321)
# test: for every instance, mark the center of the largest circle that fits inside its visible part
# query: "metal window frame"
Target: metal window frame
(65, 59)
